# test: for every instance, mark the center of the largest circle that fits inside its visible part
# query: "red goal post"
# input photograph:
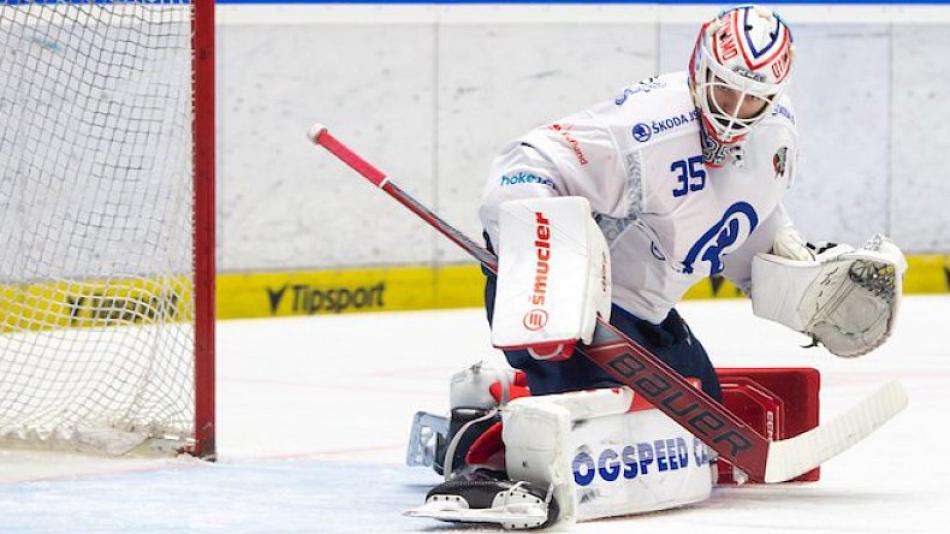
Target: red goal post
(204, 247)
(107, 225)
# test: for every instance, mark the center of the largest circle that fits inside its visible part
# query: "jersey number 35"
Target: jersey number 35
(690, 175)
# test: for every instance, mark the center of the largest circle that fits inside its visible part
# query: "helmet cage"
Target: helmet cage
(707, 74)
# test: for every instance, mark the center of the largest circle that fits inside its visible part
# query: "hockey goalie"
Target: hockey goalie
(613, 213)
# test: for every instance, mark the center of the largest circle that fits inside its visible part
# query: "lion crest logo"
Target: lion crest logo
(778, 162)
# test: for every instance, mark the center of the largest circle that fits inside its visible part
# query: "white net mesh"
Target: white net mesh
(96, 196)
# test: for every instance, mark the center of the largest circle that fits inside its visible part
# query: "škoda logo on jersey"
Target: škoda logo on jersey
(537, 317)
(643, 132)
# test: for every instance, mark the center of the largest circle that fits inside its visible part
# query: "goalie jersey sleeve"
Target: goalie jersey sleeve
(670, 219)
(560, 159)
(737, 267)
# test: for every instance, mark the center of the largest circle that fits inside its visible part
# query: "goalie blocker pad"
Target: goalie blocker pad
(845, 298)
(553, 276)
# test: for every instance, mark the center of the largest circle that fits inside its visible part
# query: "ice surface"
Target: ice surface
(313, 414)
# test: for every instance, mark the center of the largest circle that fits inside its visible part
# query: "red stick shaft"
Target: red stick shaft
(358, 164)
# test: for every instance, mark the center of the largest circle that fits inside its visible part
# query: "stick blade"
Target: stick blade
(792, 457)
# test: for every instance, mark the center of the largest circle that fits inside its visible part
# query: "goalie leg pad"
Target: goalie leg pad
(599, 458)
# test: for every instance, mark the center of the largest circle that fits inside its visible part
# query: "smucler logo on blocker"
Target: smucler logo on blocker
(536, 318)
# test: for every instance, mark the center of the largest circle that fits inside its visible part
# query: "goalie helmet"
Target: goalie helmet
(738, 71)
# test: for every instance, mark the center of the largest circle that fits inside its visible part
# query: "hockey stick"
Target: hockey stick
(632, 364)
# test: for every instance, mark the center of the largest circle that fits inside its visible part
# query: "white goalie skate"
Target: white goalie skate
(513, 505)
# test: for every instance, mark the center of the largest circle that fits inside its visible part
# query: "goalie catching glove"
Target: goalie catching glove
(553, 277)
(844, 298)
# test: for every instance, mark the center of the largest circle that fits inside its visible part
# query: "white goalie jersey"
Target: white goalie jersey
(669, 219)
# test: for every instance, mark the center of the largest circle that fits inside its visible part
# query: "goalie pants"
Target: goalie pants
(672, 341)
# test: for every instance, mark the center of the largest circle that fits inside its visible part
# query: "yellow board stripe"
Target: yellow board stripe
(348, 291)
(927, 274)
(64, 304)
(423, 287)
(93, 303)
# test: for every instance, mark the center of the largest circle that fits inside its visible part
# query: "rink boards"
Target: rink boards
(96, 303)
(278, 294)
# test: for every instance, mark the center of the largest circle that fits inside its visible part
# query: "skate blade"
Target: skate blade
(514, 513)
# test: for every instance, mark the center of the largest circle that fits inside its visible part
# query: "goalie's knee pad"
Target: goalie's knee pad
(483, 386)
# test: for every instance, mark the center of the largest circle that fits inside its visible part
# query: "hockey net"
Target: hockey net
(106, 225)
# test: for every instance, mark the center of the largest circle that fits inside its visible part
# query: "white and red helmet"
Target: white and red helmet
(747, 51)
